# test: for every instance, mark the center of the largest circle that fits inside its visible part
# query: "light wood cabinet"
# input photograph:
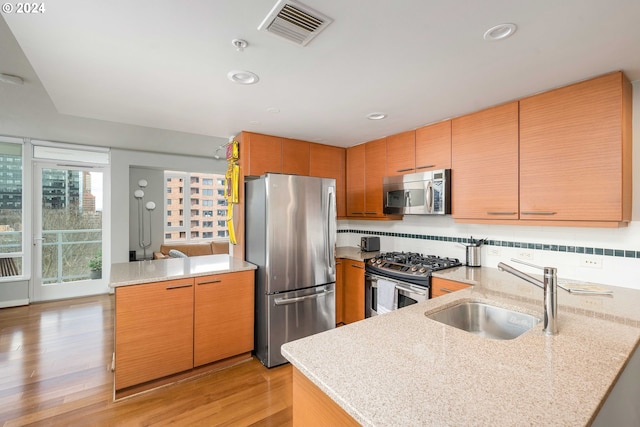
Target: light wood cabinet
(264, 153)
(575, 152)
(223, 317)
(433, 147)
(173, 327)
(153, 331)
(353, 303)
(485, 164)
(340, 290)
(401, 150)
(355, 180)
(312, 407)
(329, 162)
(441, 287)
(375, 160)
(295, 157)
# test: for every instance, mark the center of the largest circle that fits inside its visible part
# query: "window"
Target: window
(187, 189)
(11, 214)
(220, 193)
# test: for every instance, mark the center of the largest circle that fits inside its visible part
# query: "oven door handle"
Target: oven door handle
(411, 289)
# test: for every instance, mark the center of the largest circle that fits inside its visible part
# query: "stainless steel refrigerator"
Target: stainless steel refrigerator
(290, 225)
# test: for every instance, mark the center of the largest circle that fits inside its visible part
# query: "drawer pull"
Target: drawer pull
(371, 213)
(357, 213)
(425, 167)
(539, 213)
(445, 290)
(210, 282)
(356, 266)
(186, 285)
(404, 170)
(501, 213)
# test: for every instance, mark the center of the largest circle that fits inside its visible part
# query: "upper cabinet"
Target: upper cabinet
(365, 172)
(484, 153)
(264, 153)
(329, 162)
(433, 147)
(295, 157)
(575, 153)
(401, 150)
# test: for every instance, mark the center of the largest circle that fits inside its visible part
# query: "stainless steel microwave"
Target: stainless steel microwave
(424, 193)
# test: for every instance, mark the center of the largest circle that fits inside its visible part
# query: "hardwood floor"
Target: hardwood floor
(55, 361)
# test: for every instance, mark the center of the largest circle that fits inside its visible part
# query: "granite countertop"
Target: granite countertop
(136, 273)
(354, 253)
(402, 368)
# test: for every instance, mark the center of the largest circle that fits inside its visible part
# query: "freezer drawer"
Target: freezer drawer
(294, 315)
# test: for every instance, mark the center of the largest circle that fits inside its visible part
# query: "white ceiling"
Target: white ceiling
(163, 63)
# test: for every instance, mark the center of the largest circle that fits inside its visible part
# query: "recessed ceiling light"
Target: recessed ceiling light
(376, 116)
(500, 32)
(243, 77)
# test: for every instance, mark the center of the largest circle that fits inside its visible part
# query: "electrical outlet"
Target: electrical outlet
(525, 254)
(591, 262)
(494, 251)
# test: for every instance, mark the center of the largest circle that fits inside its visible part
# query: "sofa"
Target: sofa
(192, 249)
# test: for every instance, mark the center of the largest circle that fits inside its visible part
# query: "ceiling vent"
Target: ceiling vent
(295, 22)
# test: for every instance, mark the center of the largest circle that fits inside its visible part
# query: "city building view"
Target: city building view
(195, 207)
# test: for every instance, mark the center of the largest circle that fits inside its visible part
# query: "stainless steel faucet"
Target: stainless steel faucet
(550, 287)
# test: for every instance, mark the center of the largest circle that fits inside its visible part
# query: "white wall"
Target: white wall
(615, 270)
(122, 195)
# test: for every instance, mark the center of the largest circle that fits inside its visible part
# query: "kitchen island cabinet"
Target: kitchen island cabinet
(535, 379)
(178, 317)
(223, 316)
(154, 331)
(484, 157)
(575, 153)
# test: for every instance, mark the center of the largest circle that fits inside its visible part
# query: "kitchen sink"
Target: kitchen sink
(485, 320)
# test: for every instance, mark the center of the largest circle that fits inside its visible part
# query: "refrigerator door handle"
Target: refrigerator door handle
(285, 301)
(331, 215)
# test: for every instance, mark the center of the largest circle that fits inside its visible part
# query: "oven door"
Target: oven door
(408, 294)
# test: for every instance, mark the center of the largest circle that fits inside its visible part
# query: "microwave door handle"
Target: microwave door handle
(429, 191)
(407, 198)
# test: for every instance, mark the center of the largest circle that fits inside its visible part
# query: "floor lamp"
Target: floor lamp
(149, 206)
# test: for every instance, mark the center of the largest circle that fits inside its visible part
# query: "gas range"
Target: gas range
(412, 267)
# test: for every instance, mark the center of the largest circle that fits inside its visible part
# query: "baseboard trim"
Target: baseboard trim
(14, 303)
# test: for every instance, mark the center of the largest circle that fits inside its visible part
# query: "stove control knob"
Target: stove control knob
(422, 270)
(379, 261)
(414, 268)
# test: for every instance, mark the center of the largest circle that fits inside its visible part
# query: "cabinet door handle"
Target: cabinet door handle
(357, 213)
(426, 167)
(501, 213)
(538, 213)
(186, 285)
(356, 266)
(371, 213)
(338, 263)
(210, 282)
(404, 170)
(445, 290)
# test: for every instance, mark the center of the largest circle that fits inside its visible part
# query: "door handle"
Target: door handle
(285, 301)
(412, 290)
(210, 282)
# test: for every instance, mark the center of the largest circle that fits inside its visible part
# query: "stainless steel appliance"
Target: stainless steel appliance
(410, 274)
(291, 235)
(424, 193)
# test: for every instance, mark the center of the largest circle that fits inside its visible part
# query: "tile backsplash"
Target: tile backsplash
(608, 256)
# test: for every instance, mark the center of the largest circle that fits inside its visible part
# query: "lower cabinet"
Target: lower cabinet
(223, 318)
(312, 407)
(353, 303)
(153, 332)
(441, 287)
(171, 327)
